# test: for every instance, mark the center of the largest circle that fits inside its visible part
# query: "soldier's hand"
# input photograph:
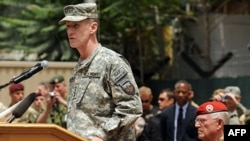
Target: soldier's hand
(96, 139)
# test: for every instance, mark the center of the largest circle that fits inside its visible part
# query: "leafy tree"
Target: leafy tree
(132, 28)
(32, 26)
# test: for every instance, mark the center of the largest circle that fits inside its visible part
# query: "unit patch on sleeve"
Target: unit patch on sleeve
(119, 77)
(128, 88)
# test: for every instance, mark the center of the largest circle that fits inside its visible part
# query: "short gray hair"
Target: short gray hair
(221, 115)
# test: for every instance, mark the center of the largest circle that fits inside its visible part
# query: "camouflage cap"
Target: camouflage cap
(56, 79)
(233, 90)
(79, 12)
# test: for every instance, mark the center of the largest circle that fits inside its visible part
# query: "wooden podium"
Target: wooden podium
(36, 132)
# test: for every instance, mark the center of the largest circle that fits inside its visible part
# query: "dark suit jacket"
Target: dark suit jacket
(167, 124)
(152, 131)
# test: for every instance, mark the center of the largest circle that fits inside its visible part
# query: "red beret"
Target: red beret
(16, 87)
(211, 107)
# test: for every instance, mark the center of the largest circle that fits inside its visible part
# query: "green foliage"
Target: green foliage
(129, 27)
(32, 26)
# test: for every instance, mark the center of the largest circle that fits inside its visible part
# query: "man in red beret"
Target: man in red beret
(16, 93)
(210, 120)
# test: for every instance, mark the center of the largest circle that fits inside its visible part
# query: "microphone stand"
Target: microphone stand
(27, 74)
(5, 85)
(11, 119)
(11, 81)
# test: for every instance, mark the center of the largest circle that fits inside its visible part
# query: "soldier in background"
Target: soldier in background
(43, 90)
(55, 110)
(232, 99)
(16, 93)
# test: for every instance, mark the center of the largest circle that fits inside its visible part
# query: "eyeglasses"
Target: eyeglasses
(145, 101)
(202, 120)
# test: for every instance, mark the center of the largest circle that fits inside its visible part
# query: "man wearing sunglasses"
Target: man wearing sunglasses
(149, 110)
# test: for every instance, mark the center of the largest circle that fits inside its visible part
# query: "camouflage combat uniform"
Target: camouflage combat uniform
(103, 97)
(57, 115)
(30, 116)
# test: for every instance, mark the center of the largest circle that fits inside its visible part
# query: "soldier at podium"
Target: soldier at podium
(103, 100)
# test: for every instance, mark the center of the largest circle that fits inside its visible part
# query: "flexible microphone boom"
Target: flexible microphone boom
(22, 107)
(27, 74)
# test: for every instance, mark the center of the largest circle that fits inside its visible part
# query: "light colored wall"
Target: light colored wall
(228, 33)
(10, 69)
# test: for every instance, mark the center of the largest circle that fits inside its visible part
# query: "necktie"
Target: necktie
(179, 124)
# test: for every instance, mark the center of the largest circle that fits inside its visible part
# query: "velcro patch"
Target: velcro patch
(120, 77)
(119, 74)
(128, 88)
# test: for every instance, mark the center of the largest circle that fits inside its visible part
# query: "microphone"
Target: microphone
(9, 110)
(27, 74)
(22, 107)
